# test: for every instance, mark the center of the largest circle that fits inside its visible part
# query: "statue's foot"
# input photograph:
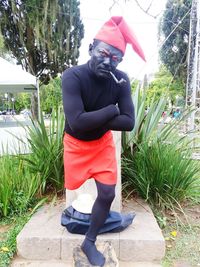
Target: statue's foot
(94, 256)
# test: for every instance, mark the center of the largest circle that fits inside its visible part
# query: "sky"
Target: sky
(94, 13)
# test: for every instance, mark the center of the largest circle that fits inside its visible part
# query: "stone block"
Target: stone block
(143, 235)
(41, 236)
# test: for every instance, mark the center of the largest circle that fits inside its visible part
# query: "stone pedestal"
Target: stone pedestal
(44, 239)
(89, 186)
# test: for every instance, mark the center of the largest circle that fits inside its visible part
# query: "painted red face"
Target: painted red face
(104, 58)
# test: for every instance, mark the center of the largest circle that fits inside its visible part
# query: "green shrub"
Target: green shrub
(156, 156)
(46, 146)
(146, 122)
(18, 185)
(162, 174)
(22, 177)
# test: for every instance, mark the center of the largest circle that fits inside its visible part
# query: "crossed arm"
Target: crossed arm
(111, 117)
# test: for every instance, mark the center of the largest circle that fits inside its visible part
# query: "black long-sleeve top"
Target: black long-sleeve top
(90, 103)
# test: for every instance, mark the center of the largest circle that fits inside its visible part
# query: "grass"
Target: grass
(8, 238)
(184, 248)
(11, 226)
(181, 230)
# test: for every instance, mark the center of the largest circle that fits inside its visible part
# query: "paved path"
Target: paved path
(11, 132)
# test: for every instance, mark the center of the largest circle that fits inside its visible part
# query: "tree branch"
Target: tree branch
(147, 10)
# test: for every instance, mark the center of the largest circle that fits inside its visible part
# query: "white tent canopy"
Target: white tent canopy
(13, 79)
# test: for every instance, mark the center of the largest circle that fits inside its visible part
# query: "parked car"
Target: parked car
(25, 112)
(4, 112)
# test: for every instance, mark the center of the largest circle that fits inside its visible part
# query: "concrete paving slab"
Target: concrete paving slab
(27, 263)
(138, 264)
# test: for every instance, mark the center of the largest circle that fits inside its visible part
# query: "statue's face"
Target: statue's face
(104, 58)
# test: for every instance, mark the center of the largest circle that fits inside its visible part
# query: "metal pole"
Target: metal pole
(38, 99)
(193, 64)
(196, 70)
(188, 85)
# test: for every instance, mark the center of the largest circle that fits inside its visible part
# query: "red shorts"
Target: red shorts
(89, 159)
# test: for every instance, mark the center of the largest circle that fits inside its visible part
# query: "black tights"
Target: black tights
(101, 208)
(100, 211)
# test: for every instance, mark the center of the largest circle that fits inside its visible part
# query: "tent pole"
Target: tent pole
(38, 97)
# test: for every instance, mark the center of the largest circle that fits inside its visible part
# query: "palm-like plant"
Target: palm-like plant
(146, 121)
(156, 158)
(46, 147)
(18, 186)
(162, 173)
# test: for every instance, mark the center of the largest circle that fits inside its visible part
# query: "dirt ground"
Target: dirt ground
(3, 231)
(182, 235)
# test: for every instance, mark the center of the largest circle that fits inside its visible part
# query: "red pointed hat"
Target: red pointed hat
(117, 33)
